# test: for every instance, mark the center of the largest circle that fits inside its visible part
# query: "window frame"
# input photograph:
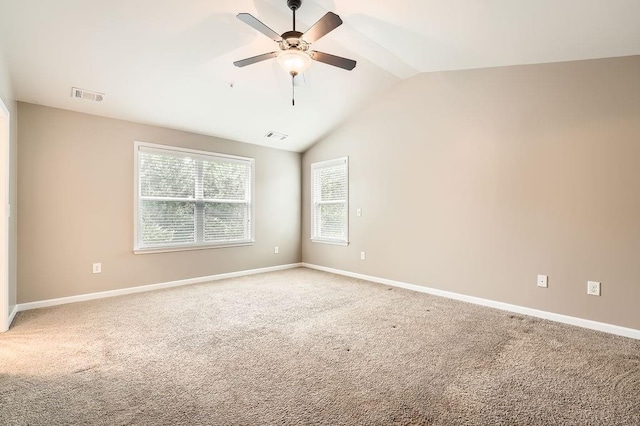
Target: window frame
(327, 164)
(138, 249)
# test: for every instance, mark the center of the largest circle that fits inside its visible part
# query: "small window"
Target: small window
(187, 199)
(330, 189)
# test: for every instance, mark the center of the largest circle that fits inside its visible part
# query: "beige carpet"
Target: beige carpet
(306, 347)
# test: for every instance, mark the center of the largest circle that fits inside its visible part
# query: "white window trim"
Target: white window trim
(331, 241)
(194, 246)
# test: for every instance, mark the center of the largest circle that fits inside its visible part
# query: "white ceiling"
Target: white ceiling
(169, 62)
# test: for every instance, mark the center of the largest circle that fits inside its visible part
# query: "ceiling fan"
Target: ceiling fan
(295, 55)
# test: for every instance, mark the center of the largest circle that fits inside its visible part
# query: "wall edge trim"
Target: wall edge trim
(148, 287)
(12, 315)
(565, 319)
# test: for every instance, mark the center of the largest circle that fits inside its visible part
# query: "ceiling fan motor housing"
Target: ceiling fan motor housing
(293, 39)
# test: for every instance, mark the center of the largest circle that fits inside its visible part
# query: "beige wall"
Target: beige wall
(76, 206)
(6, 94)
(476, 181)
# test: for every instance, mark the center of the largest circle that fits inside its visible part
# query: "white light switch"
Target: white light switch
(363, 256)
(97, 268)
(276, 250)
(542, 281)
(358, 211)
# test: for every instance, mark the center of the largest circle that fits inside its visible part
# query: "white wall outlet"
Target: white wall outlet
(358, 211)
(97, 268)
(363, 256)
(276, 249)
(593, 288)
(543, 281)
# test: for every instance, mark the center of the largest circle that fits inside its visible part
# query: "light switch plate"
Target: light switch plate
(543, 281)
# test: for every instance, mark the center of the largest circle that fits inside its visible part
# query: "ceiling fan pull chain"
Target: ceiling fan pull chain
(293, 90)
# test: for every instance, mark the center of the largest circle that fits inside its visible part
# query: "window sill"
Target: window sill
(183, 248)
(330, 242)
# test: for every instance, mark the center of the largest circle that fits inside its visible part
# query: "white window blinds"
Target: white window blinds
(330, 189)
(187, 198)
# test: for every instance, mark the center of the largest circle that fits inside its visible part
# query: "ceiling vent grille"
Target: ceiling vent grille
(86, 94)
(276, 136)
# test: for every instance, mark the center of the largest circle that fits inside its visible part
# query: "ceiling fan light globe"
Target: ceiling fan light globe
(294, 61)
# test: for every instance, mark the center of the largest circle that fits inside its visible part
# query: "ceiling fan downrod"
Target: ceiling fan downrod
(294, 5)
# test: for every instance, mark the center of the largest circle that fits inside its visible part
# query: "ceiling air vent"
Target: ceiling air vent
(86, 94)
(276, 136)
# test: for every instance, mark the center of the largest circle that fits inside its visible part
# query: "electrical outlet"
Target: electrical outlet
(97, 268)
(593, 288)
(276, 250)
(358, 211)
(363, 256)
(543, 281)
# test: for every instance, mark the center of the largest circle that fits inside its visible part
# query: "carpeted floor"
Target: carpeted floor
(306, 347)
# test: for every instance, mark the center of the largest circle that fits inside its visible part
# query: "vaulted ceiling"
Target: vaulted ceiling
(169, 62)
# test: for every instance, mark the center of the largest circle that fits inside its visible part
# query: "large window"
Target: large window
(330, 189)
(191, 199)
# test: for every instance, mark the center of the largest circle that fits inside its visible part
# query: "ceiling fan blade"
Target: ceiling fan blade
(252, 21)
(324, 26)
(254, 59)
(336, 61)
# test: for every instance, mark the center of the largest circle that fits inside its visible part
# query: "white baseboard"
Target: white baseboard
(580, 322)
(150, 287)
